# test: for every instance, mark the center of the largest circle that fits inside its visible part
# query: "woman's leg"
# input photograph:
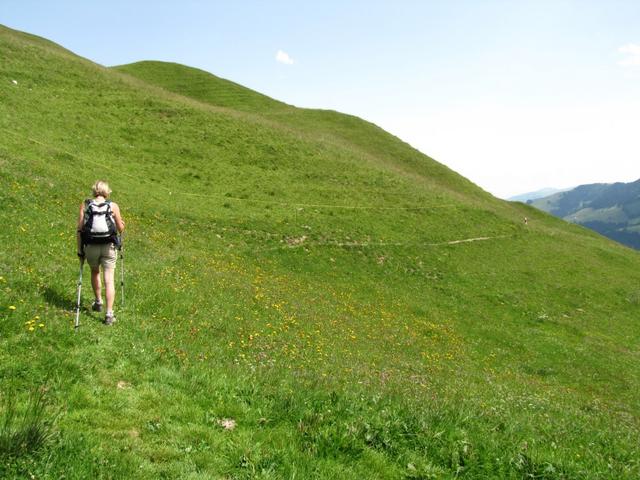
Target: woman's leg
(95, 283)
(110, 288)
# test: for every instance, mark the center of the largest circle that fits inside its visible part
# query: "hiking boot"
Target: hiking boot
(109, 319)
(97, 306)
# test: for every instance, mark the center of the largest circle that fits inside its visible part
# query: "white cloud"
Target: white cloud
(283, 57)
(632, 51)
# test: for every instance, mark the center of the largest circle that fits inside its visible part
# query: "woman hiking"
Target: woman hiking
(99, 224)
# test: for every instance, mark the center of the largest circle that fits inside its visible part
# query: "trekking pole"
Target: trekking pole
(122, 271)
(77, 323)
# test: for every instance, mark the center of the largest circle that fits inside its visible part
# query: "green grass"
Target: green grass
(291, 270)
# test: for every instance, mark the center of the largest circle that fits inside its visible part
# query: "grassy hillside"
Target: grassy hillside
(355, 308)
(371, 144)
(612, 210)
(203, 86)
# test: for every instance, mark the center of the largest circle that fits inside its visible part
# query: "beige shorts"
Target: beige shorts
(101, 254)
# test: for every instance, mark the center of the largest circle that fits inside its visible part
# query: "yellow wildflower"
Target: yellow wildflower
(12, 307)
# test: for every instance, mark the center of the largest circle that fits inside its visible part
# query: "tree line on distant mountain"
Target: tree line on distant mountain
(612, 210)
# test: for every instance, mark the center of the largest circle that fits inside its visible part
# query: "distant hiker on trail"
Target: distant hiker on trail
(98, 226)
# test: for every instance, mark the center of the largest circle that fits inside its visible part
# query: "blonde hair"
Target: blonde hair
(101, 188)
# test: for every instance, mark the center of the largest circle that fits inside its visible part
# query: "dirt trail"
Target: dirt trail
(301, 242)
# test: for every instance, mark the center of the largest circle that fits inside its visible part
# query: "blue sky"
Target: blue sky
(514, 95)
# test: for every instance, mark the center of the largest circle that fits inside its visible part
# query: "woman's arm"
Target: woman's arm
(116, 214)
(79, 230)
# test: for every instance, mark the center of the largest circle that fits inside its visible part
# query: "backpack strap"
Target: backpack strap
(111, 222)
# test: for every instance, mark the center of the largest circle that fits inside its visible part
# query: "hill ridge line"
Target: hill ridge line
(273, 121)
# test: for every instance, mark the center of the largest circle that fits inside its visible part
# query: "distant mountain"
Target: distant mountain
(544, 192)
(610, 209)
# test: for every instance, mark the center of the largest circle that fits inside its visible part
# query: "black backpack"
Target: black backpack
(99, 224)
